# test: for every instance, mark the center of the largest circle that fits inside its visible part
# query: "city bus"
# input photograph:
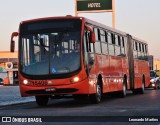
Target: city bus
(108, 60)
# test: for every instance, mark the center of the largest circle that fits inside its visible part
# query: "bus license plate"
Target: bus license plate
(50, 89)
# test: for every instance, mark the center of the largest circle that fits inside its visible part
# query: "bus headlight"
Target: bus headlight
(75, 79)
(25, 82)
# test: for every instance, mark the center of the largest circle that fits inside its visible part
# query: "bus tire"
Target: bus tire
(41, 100)
(96, 98)
(139, 90)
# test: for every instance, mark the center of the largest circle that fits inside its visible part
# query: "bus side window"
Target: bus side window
(99, 34)
(88, 49)
(106, 36)
(85, 49)
(139, 50)
(145, 53)
(89, 45)
(96, 34)
(110, 45)
(103, 42)
(142, 51)
(117, 46)
(122, 42)
(102, 34)
(134, 50)
(97, 43)
(113, 38)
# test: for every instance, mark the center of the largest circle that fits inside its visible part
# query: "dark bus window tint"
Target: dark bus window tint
(139, 46)
(106, 36)
(122, 42)
(119, 41)
(136, 46)
(99, 36)
(139, 52)
(113, 38)
(142, 48)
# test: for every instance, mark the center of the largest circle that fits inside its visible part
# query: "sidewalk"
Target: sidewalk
(11, 95)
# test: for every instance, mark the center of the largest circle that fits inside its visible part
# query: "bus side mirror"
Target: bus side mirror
(92, 35)
(12, 46)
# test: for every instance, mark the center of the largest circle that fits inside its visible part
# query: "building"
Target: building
(156, 64)
(150, 58)
(9, 66)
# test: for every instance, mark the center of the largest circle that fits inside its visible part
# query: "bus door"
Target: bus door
(88, 52)
(130, 61)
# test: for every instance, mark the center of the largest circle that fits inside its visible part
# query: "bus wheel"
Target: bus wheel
(42, 100)
(123, 93)
(96, 98)
(139, 90)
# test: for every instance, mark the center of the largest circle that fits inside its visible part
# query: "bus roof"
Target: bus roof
(113, 29)
(74, 17)
(51, 18)
(85, 20)
(104, 26)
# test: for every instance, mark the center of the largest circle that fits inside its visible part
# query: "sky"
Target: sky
(139, 18)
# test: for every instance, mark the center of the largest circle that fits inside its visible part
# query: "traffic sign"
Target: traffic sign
(93, 5)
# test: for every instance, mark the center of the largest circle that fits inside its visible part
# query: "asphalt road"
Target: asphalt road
(112, 110)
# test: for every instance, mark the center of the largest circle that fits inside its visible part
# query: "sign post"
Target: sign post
(95, 6)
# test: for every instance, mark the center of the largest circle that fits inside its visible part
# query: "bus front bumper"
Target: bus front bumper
(82, 87)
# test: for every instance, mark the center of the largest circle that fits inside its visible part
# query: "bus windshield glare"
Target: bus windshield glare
(49, 48)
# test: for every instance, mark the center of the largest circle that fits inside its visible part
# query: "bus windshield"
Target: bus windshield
(49, 51)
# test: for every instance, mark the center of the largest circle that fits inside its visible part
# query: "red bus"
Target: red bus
(108, 60)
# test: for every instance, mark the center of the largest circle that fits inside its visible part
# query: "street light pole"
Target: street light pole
(113, 13)
(75, 3)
